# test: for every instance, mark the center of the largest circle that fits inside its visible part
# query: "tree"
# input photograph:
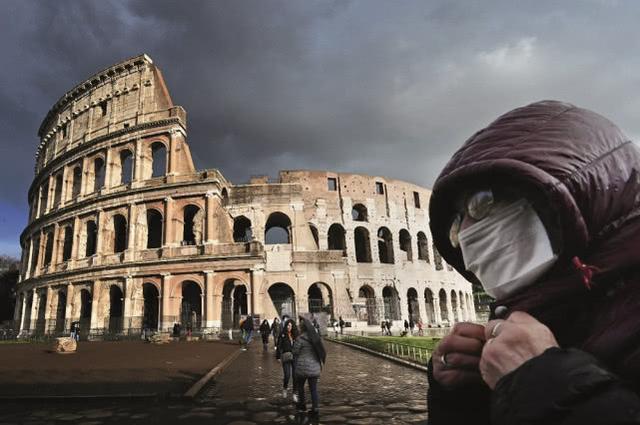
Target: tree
(9, 273)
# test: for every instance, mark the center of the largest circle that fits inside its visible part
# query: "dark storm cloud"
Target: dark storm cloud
(387, 88)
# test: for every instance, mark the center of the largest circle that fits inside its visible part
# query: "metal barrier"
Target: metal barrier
(408, 352)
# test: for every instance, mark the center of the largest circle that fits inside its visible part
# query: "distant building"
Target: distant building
(124, 233)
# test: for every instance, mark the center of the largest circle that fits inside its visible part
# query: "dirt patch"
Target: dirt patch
(107, 368)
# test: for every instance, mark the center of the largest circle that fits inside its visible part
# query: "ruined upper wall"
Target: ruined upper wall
(114, 100)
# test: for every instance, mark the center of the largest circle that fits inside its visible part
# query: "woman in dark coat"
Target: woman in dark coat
(309, 356)
(545, 205)
(265, 330)
(284, 347)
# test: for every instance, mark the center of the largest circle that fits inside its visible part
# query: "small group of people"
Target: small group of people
(300, 350)
(75, 330)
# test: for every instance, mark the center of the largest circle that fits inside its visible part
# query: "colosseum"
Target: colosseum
(124, 234)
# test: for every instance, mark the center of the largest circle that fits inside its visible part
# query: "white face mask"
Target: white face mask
(508, 250)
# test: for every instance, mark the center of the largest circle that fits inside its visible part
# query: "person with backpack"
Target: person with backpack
(309, 355)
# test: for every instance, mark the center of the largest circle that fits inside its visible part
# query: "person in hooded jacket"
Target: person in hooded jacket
(265, 330)
(310, 355)
(542, 208)
(284, 353)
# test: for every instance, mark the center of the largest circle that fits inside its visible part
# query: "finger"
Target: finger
(460, 344)
(522, 317)
(469, 330)
(462, 361)
(493, 328)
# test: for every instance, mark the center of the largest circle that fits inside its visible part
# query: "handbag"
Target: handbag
(286, 357)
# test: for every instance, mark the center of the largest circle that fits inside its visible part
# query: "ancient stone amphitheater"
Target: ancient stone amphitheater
(124, 233)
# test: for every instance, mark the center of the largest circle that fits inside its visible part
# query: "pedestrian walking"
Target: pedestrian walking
(542, 209)
(75, 331)
(383, 326)
(412, 325)
(265, 330)
(275, 330)
(420, 331)
(310, 355)
(406, 326)
(284, 353)
(341, 324)
(247, 331)
(389, 327)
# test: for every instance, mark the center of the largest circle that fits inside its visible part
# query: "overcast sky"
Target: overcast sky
(375, 87)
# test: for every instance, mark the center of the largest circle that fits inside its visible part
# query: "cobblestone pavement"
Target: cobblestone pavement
(355, 388)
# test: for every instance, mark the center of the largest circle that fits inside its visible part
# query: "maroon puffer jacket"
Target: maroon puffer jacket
(587, 172)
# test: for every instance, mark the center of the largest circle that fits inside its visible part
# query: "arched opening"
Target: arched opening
(126, 166)
(158, 159)
(314, 234)
(119, 233)
(44, 198)
(98, 174)
(277, 229)
(151, 306)
(336, 238)
(85, 312)
(283, 299)
(61, 311)
(359, 213)
(413, 304)
(42, 310)
(442, 295)
(391, 301)
(92, 236)
(68, 243)
(27, 312)
(192, 230)
(405, 245)
(48, 249)
(363, 246)
(385, 246)
(58, 193)
(116, 303)
(76, 184)
(191, 311)
(36, 254)
(428, 304)
(225, 196)
(234, 303)
(242, 229)
(154, 228)
(320, 298)
(463, 306)
(423, 247)
(454, 306)
(437, 258)
(371, 306)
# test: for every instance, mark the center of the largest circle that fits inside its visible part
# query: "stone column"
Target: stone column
(65, 184)
(127, 292)
(450, 317)
(256, 280)
(404, 306)
(173, 145)
(84, 177)
(100, 232)
(437, 313)
(137, 166)
(55, 249)
(22, 313)
(168, 222)
(35, 301)
(76, 238)
(166, 301)
(68, 310)
(38, 202)
(108, 166)
(131, 233)
(48, 310)
(422, 302)
(27, 269)
(209, 288)
(96, 323)
(50, 195)
(209, 220)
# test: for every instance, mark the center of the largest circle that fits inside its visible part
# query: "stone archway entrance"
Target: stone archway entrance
(116, 301)
(61, 311)
(413, 305)
(320, 299)
(234, 303)
(191, 307)
(371, 306)
(151, 306)
(391, 303)
(283, 299)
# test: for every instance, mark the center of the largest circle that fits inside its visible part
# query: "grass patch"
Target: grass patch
(379, 343)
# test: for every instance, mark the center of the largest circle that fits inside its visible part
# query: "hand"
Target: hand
(512, 342)
(461, 351)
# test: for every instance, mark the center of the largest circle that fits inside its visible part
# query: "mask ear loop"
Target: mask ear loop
(586, 271)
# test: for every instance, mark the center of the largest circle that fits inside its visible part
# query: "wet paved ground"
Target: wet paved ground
(355, 388)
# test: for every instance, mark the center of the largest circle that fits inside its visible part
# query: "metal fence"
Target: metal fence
(412, 353)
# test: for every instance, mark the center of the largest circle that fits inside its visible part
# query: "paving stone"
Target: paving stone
(381, 414)
(397, 406)
(414, 417)
(140, 416)
(365, 421)
(196, 415)
(358, 403)
(358, 414)
(265, 416)
(99, 414)
(418, 409)
(235, 413)
(68, 417)
(257, 405)
(332, 418)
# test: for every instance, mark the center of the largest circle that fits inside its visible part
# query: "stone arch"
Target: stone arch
(283, 298)
(155, 226)
(442, 299)
(44, 197)
(385, 246)
(27, 314)
(76, 182)
(336, 238)
(61, 311)
(363, 245)
(429, 306)
(242, 231)
(405, 245)
(126, 166)
(67, 243)
(151, 306)
(158, 159)
(391, 301)
(413, 305)
(278, 229)
(225, 196)
(367, 293)
(191, 306)
(57, 197)
(235, 303)
(98, 173)
(91, 238)
(119, 233)
(423, 247)
(455, 308)
(48, 248)
(320, 298)
(314, 234)
(192, 225)
(359, 213)
(116, 309)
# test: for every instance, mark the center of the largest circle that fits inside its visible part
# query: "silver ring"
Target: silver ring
(443, 359)
(494, 331)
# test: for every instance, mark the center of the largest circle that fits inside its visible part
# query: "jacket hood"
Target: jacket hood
(573, 161)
